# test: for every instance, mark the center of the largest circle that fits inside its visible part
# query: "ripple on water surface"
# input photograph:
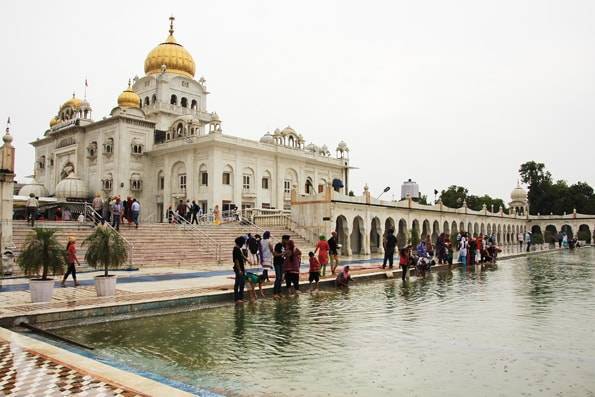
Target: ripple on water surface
(524, 328)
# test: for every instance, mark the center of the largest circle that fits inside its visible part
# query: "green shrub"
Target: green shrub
(42, 251)
(106, 249)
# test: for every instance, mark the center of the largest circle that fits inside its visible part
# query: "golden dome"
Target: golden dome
(129, 98)
(73, 102)
(54, 121)
(171, 54)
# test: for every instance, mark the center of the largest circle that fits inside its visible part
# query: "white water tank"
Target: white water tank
(409, 187)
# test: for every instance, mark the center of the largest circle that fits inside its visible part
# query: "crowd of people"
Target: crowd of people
(193, 213)
(284, 258)
(116, 211)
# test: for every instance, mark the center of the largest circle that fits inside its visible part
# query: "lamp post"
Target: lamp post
(386, 189)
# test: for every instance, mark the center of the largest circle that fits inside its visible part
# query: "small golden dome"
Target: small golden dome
(129, 98)
(54, 121)
(171, 54)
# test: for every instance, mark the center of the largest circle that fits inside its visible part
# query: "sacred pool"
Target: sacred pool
(524, 328)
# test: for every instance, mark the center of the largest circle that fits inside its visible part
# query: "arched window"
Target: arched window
(108, 146)
(146, 101)
(92, 150)
(173, 100)
(154, 99)
(136, 182)
(203, 175)
(107, 182)
(184, 102)
(193, 104)
(160, 180)
(309, 188)
(179, 130)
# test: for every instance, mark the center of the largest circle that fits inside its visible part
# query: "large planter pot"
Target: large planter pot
(105, 286)
(41, 290)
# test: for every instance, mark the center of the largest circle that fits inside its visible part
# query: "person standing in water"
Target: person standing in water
(404, 254)
(266, 252)
(314, 271)
(389, 244)
(322, 248)
(278, 259)
(291, 267)
(333, 244)
(239, 261)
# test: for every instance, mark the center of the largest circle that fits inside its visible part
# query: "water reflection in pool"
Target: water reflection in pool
(524, 329)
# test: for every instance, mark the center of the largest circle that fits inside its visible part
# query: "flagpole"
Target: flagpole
(86, 88)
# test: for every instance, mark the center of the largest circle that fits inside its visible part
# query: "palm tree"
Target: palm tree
(106, 249)
(42, 251)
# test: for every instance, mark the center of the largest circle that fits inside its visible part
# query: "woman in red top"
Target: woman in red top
(291, 267)
(71, 259)
(322, 248)
(314, 271)
(404, 254)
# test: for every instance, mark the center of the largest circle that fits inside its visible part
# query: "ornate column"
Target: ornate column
(6, 190)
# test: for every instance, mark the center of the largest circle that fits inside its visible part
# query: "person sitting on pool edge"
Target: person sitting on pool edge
(343, 278)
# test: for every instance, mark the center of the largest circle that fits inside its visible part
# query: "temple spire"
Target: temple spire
(171, 25)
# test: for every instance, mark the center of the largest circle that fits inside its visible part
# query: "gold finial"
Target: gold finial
(73, 94)
(129, 86)
(171, 24)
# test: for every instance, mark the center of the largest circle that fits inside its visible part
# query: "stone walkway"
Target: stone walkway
(26, 373)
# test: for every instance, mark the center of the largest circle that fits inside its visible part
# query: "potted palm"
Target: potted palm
(42, 251)
(106, 249)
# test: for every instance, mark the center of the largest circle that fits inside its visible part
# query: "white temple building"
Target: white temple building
(161, 144)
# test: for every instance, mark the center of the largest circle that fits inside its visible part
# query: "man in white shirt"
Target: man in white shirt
(31, 211)
(520, 238)
(135, 207)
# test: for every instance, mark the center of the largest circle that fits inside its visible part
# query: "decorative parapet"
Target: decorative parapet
(330, 195)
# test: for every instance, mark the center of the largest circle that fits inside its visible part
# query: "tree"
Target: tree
(454, 196)
(106, 249)
(414, 240)
(422, 199)
(546, 196)
(42, 251)
(533, 173)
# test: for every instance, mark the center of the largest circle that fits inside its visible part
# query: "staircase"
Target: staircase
(163, 244)
(21, 231)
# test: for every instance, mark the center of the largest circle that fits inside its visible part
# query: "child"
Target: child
(343, 278)
(252, 279)
(404, 254)
(314, 271)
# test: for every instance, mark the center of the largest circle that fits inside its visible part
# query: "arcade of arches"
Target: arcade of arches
(361, 224)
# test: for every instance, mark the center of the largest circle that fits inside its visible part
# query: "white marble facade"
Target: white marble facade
(161, 144)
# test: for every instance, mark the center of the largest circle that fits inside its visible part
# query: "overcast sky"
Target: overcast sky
(443, 92)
